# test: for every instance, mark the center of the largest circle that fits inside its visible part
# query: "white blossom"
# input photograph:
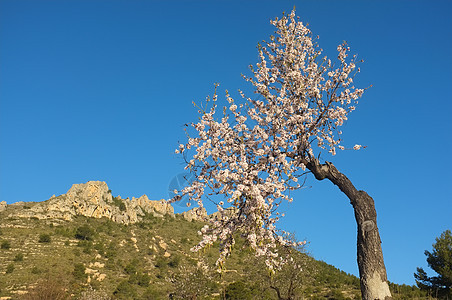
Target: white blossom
(254, 153)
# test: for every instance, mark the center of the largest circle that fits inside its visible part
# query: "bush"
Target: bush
(44, 238)
(5, 245)
(152, 293)
(19, 257)
(9, 268)
(110, 253)
(125, 290)
(240, 291)
(49, 289)
(141, 279)
(84, 232)
(160, 263)
(100, 248)
(131, 268)
(119, 203)
(79, 272)
(86, 245)
(174, 263)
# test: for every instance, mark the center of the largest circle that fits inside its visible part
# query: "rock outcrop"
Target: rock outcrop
(94, 199)
(2, 205)
(197, 214)
(227, 212)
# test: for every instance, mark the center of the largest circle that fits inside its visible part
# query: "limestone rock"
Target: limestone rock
(228, 212)
(197, 214)
(101, 277)
(158, 208)
(93, 199)
(3, 205)
(163, 245)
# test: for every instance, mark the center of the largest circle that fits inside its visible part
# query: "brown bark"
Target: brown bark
(372, 271)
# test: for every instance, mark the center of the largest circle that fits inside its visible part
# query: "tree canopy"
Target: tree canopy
(257, 150)
(440, 261)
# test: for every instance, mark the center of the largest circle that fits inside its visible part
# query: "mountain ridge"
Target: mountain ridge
(94, 199)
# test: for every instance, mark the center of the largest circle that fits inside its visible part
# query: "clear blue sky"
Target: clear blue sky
(100, 90)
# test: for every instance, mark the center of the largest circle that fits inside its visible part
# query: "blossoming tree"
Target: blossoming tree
(254, 153)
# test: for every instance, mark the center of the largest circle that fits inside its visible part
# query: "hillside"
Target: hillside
(139, 249)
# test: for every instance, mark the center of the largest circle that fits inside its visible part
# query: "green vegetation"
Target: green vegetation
(5, 245)
(152, 260)
(79, 271)
(240, 290)
(119, 203)
(44, 238)
(84, 233)
(9, 268)
(440, 261)
(46, 289)
(19, 257)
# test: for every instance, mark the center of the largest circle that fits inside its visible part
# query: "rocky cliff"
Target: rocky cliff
(2, 206)
(91, 199)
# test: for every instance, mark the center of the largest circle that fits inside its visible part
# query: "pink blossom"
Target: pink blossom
(254, 152)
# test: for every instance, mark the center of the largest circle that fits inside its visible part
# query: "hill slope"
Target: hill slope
(104, 257)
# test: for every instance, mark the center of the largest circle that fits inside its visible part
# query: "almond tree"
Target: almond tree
(254, 153)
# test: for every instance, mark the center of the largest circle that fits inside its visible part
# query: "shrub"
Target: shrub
(66, 232)
(79, 272)
(142, 279)
(119, 203)
(240, 291)
(19, 257)
(9, 268)
(84, 232)
(44, 238)
(86, 245)
(152, 293)
(160, 263)
(5, 245)
(48, 289)
(110, 253)
(100, 248)
(131, 267)
(77, 252)
(125, 290)
(174, 263)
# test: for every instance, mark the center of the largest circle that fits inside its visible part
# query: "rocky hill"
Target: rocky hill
(88, 245)
(94, 199)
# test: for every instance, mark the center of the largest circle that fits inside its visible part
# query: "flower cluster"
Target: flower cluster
(252, 155)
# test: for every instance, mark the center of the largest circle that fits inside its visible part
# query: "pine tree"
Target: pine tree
(440, 261)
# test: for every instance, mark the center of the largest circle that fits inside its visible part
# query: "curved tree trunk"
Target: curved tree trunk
(372, 271)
